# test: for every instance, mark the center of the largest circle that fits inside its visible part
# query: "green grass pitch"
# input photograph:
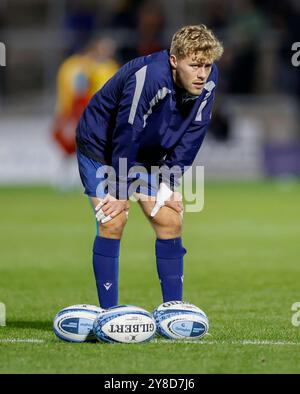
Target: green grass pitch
(242, 269)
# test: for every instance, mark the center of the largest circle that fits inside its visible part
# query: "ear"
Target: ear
(173, 61)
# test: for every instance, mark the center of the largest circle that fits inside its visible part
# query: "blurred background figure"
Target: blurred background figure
(79, 77)
(246, 28)
(149, 28)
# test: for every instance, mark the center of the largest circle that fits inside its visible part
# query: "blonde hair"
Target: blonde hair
(198, 40)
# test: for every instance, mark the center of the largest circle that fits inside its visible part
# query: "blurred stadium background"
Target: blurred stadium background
(242, 265)
(255, 130)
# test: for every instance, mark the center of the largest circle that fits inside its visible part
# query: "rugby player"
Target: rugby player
(154, 112)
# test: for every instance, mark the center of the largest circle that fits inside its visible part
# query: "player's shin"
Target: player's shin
(106, 269)
(169, 260)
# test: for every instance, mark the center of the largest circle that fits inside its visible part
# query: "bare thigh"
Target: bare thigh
(167, 223)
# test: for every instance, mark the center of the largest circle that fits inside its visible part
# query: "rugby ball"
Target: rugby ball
(75, 323)
(180, 320)
(125, 324)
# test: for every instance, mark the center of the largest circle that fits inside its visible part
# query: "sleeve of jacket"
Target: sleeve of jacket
(133, 105)
(184, 153)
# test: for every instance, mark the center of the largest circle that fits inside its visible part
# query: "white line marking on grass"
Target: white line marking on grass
(181, 341)
(25, 340)
(276, 343)
(244, 342)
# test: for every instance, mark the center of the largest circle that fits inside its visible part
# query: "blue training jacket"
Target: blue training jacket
(141, 115)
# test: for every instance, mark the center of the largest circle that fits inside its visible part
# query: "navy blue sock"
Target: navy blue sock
(169, 261)
(106, 269)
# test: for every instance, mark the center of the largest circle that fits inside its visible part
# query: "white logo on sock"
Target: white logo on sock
(182, 279)
(107, 285)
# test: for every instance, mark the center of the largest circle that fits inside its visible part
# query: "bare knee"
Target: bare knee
(167, 223)
(114, 228)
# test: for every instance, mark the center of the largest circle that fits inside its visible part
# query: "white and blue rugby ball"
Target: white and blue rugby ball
(125, 324)
(75, 323)
(180, 320)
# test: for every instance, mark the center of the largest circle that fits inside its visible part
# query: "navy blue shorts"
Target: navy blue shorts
(92, 182)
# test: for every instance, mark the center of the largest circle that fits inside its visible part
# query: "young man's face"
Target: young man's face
(191, 73)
